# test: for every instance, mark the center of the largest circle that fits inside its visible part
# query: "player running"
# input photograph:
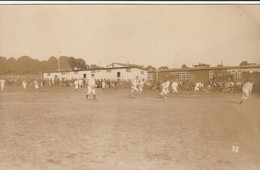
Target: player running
(134, 88)
(247, 88)
(91, 87)
(175, 87)
(141, 86)
(103, 84)
(197, 86)
(2, 82)
(76, 85)
(165, 89)
(24, 84)
(36, 85)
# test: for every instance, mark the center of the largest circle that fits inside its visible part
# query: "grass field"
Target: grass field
(56, 128)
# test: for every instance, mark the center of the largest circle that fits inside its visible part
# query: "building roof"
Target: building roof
(90, 69)
(206, 68)
(125, 65)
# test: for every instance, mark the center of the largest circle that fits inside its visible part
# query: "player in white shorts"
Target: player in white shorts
(24, 84)
(2, 82)
(141, 86)
(80, 81)
(165, 89)
(103, 84)
(167, 85)
(91, 87)
(174, 87)
(36, 85)
(134, 87)
(197, 87)
(76, 85)
(246, 89)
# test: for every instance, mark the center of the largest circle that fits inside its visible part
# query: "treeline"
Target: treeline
(27, 65)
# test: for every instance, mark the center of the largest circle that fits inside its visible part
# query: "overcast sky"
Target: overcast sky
(169, 35)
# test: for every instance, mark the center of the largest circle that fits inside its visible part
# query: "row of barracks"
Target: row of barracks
(113, 71)
(196, 73)
(207, 73)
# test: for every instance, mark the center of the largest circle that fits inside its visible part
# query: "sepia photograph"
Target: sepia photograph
(125, 86)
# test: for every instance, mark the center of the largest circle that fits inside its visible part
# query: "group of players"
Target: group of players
(24, 84)
(164, 90)
(136, 87)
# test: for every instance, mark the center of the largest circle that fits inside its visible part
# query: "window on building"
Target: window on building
(239, 73)
(150, 76)
(174, 73)
(180, 76)
(184, 75)
(187, 75)
(128, 70)
(211, 74)
(233, 72)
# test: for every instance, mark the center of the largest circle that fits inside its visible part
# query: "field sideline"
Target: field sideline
(57, 129)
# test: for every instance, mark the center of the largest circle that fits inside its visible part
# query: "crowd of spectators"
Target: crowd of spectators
(227, 86)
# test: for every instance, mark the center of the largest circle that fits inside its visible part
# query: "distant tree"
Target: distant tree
(93, 66)
(243, 63)
(81, 64)
(36, 66)
(11, 65)
(149, 67)
(44, 66)
(163, 67)
(66, 63)
(73, 63)
(25, 65)
(203, 64)
(184, 66)
(51, 64)
(3, 65)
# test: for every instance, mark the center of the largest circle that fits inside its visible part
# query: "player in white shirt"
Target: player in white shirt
(175, 87)
(24, 84)
(247, 88)
(80, 81)
(36, 85)
(197, 86)
(91, 86)
(103, 84)
(141, 85)
(2, 81)
(165, 89)
(134, 88)
(167, 85)
(76, 85)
